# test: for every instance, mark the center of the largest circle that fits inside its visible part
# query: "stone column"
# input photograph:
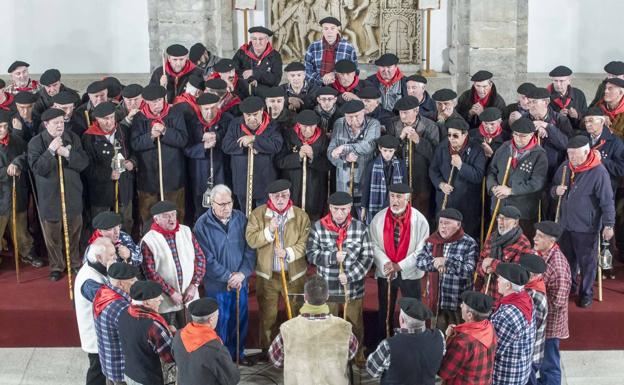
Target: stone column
(187, 22)
(490, 35)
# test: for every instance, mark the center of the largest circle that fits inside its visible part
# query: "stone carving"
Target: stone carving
(374, 27)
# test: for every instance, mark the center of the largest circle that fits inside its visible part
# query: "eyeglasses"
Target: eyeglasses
(283, 195)
(454, 136)
(222, 205)
(326, 99)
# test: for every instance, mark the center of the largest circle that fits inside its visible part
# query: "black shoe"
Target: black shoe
(33, 260)
(55, 276)
(584, 302)
(246, 361)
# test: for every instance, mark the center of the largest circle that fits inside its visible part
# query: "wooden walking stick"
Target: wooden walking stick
(563, 183)
(389, 282)
(450, 182)
(14, 228)
(345, 286)
(237, 327)
(65, 226)
(599, 273)
(351, 177)
(87, 119)
(160, 170)
(250, 169)
(409, 164)
(482, 232)
(304, 182)
(283, 274)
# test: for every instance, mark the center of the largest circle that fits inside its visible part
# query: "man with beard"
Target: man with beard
(50, 81)
(445, 103)
(175, 75)
(347, 81)
(299, 91)
(257, 61)
(327, 108)
(130, 104)
(389, 80)
(482, 94)
(612, 104)
(416, 86)
(20, 79)
(371, 97)
(275, 101)
(25, 121)
(97, 93)
(567, 100)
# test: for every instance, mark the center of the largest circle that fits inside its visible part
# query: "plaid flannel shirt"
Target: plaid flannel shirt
(515, 338)
(321, 252)
(149, 264)
(160, 339)
(540, 311)
(107, 331)
(558, 280)
(467, 361)
(276, 350)
(314, 56)
(135, 251)
(460, 264)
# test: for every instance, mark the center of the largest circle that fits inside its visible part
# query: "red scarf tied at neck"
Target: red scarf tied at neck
(591, 162)
(162, 231)
(247, 49)
(5, 141)
(188, 67)
(521, 300)
(398, 75)
(263, 126)
(138, 311)
(195, 335)
(452, 151)
(153, 117)
(6, 105)
(395, 254)
(190, 99)
(536, 284)
(482, 331)
(341, 89)
(217, 75)
(310, 140)
(487, 135)
(272, 207)
(612, 114)
(95, 129)
(559, 99)
(517, 152)
(104, 297)
(329, 224)
(475, 97)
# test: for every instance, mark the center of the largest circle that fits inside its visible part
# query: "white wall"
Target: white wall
(583, 35)
(76, 36)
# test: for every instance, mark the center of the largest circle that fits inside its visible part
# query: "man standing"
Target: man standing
(299, 92)
(612, 104)
(130, 104)
(347, 81)
(25, 120)
(278, 231)
(371, 97)
(490, 132)
(97, 93)
(257, 61)
(175, 75)
(51, 85)
(613, 69)
(389, 80)
(172, 257)
(567, 100)
(416, 86)
(446, 103)
(327, 108)
(482, 94)
(520, 108)
(20, 79)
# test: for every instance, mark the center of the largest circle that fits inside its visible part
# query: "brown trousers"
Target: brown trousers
(147, 200)
(24, 239)
(354, 316)
(55, 242)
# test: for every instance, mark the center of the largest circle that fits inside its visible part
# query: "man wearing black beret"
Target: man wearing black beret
(276, 104)
(20, 79)
(67, 101)
(327, 108)
(612, 104)
(389, 80)
(50, 86)
(256, 61)
(416, 86)
(44, 152)
(609, 145)
(613, 69)
(299, 91)
(520, 108)
(107, 224)
(490, 133)
(567, 100)
(237, 88)
(371, 97)
(203, 58)
(347, 82)
(25, 120)
(445, 103)
(158, 123)
(130, 104)
(186, 102)
(178, 68)
(482, 94)
(97, 93)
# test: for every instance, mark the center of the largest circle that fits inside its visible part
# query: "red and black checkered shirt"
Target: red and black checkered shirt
(558, 281)
(467, 361)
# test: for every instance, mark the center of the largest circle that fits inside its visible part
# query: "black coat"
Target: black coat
(45, 168)
(174, 88)
(361, 84)
(577, 101)
(45, 101)
(145, 149)
(427, 107)
(307, 94)
(13, 153)
(559, 131)
(267, 72)
(210, 364)
(611, 149)
(28, 130)
(465, 102)
(79, 118)
(384, 116)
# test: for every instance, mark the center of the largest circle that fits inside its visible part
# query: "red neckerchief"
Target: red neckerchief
(95, 129)
(138, 311)
(272, 207)
(96, 234)
(487, 135)
(559, 99)
(310, 141)
(263, 126)
(452, 151)
(349, 88)
(329, 224)
(599, 145)
(483, 102)
(591, 162)
(151, 116)
(438, 242)
(6, 105)
(162, 231)
(195, 335)
(482, 331)
(5, 140)
(188, 67)
(231, 103)
(396, 255)
(516, 152)
(537, 284)
(619, 109)
(104, 297)
(398, 75)
(249, 52)
(30, 86)
(188, 98)
(521, 300)
(217, 75)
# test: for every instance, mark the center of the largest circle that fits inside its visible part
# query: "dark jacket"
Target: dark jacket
(384, 116)
(361, 84)
(45, 101)
(174, 88)
(494, 144)
(559, 131)
(414, 358)
(427, 107)
(307, 94)
(79, 121)
(267, 72)
(13, 153)
(388, 96)
(611, 150)
(45, 168)
(577, 101)
(29, 129)
(465, 102)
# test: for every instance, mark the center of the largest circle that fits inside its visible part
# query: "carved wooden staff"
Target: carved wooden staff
(87, 119)
(599, 273)
(563, 183)
(237, 327)
(351, 177)
(450, 182)
(160, 170)
(14, 227)
(250, 169)
(389, 282)
(304, 183)
(409, 164)
(345, 286)
(65, 226)
(283, 274)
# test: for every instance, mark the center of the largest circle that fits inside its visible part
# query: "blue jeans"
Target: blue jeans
(226, 327)
(550, 370)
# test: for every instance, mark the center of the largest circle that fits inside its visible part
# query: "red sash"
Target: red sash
(138, 311)
(537, 284)
(151, 116)
(252, 55)
(487, 135)
(104, 297)
(310, 140)
(5, 140)
(559, 99)
(395, 254)
(188, 67)
(263, 126)
(194, 336)
(591, 162)
(619, 109)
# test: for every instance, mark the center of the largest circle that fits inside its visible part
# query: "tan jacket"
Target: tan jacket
(296, 232)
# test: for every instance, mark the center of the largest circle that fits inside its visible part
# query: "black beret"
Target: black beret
(177, 50)
(251, 104)
(278, 185)
(594, 111)
(340, 198)
(550, 228)
(120, 270)
(207, 98)
(533, 263)
(578, 141)
(215, 84)
(65, 97)
(104, 109)
(203, 307)
(352, 106)
(444, 95)
(294, 66)
(477, 301)
(480, 76)
(330, 20)
(144, 290)
(451, 213)
(369, 93)
(490, 114)
(25, 97)
(614, 68)
(196, 81)
(113, 85)
(16, 64)
(386, 60)
(525, 88)
(510, 212)
(560, 71)
(50, 76)
(523, 125)
(106, 220)
(153, 92)
(400, 188)
(223, 65)
(513, 272)
(538, 93)
(307, 118)
(345, 66)
(51, 113)
(273, 92)
(616, 82)
(2, 83)
(457, 123)
(327, 91)
(416, 78)
(5, 116)
(196, 51)
(162, 207)
(96, 87)
(388, 141)
(261, 30)
(406, 103)
(415, 308)
(131, 91)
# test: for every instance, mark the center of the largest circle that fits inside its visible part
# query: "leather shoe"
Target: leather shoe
(33, 260)
(585, 302)
(55, 276)
(246, 361)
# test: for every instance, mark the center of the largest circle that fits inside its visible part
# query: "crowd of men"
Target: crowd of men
(216, 171)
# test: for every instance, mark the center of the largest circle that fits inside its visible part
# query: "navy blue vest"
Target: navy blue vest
(414, 358)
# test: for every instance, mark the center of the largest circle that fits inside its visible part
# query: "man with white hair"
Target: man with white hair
(612, 104)
(178, 68)
(20, 79)
(416, 86)
(482, 94)
(567, 100)
(613, 69)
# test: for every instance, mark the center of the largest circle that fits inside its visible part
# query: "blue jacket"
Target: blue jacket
(225, 252)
